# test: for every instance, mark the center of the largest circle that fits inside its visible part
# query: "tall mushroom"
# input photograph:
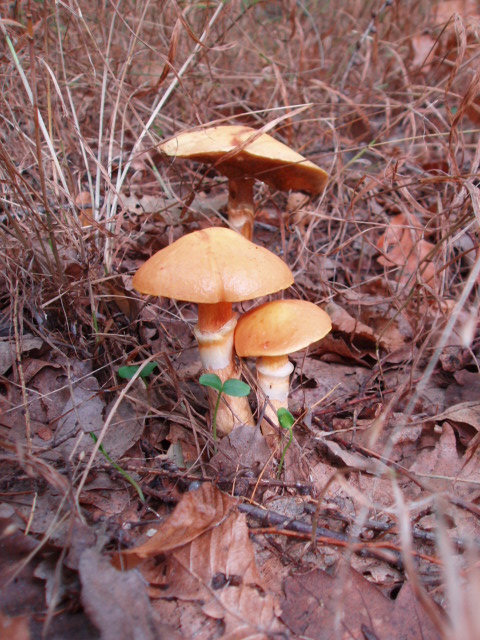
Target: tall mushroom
(243, 155)
(214, 268)
(272, 331)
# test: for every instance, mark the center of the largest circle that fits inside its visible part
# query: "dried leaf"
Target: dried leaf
(20, 592)
(354, 459)
(466, 412)
(442, 464)
(7, 350)
(197, 512)
(344, 322)
(325, 383)
(14, 628)
(323, 607)
(422, 46)
(402, 245)
(244, 448)
(444, 10)
(117, 602)
(83, 411)
(209, 558)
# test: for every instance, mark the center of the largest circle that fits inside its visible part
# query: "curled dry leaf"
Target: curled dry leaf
(443, 464)
(14, 628)
(402, 245)
(197, 512)
(203, 553)
(315, 607)
(117, 602)
(464, 412)
(7, 350)
(374, 326)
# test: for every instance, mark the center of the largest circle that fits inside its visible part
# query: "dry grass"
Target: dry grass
(384, 96)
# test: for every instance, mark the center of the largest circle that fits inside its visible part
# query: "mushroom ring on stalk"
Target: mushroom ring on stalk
(214, 268)
(270, 332)
(243, 155)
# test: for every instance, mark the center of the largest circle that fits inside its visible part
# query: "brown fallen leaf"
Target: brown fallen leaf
(323, 607)
(196, 513)
(14, 628)
(20, 592)
(203, 553)
(354, 459)
(22, 595)
(244, 448)
(8, 350)
(324, 383)
(374, 325)
(422, 46)
(464, 388)
(83, 203)
(466, 412)
(117, 602)
(442, 464)
(346, 323)
(403, 246)
(445, 9)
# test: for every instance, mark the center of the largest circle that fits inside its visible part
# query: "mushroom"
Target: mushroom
(215, 267)
(272, 331)
(243, 155)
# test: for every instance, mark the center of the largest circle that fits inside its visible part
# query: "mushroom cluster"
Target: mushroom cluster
(218, 267)
(214, 268)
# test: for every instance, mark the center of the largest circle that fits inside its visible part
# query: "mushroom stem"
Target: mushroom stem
(240, 206)
(212, 317)
(273, 375)
(216, 354)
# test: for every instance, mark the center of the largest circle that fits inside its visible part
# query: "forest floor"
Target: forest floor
(120, 515)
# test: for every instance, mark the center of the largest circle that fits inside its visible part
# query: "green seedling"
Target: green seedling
(230, 387)
(116, 466)
(128, 371)
(286, 421)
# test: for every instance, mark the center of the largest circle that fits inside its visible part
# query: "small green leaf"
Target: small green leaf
(237, 388)
(128, 371)
(211, 380)
(286, 421)
(285, 418)
(148, 369)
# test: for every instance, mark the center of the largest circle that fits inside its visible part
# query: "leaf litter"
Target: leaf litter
(372, 528)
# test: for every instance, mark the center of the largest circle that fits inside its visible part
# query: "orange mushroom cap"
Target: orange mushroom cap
(239, 151)
(211, 266)
(280, 327)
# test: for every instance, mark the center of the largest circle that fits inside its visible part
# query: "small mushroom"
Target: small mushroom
(214, 268)
(243, 155)
(272, 331)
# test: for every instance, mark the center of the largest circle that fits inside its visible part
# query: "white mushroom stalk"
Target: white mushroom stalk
(273, 377)
(217, 356)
